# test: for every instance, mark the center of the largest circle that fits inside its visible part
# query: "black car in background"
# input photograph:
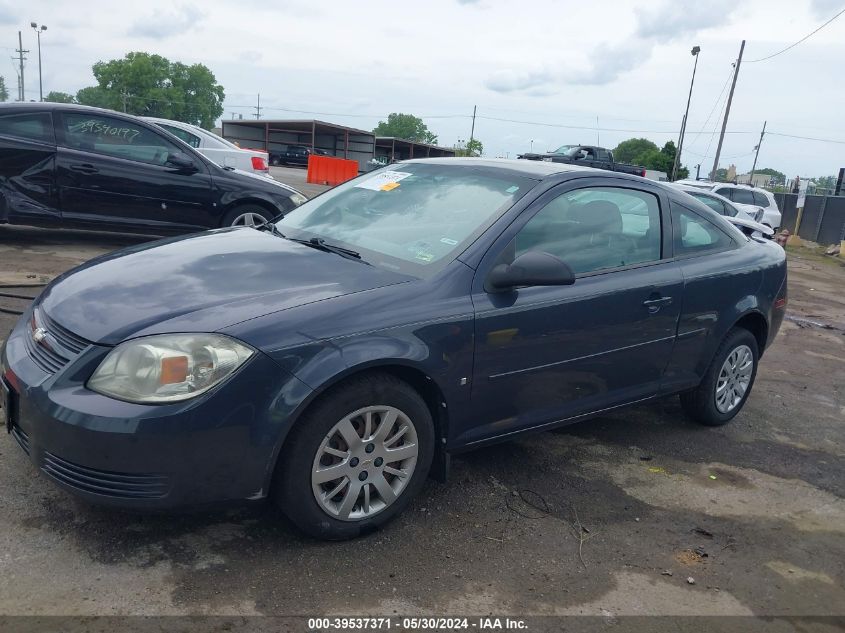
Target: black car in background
(295, 155)
(586, 156)
(81, 167)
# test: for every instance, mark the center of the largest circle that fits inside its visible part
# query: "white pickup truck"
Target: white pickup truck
(216, 148)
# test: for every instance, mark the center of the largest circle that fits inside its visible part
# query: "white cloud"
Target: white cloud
(164, 24)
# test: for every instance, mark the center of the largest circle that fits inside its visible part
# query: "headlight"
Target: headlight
(167, 367)
(547, 159)
(298, 199)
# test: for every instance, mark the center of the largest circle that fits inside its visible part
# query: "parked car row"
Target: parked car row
(587, 156)
(332, 360)
(75, 166)
(295, 155)
(216, 148)
(744, 197)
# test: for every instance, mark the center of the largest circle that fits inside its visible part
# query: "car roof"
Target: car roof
(692, 189)
(536, 169)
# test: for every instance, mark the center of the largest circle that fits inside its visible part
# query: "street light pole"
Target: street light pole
(695, 51)
(38, 31)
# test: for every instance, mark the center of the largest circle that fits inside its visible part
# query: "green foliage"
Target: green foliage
(634, 150)
(95, 96)
(721, 175)
(774, 173)
(825, 182)
(59, 97)
(4, 92)
(152, 85)
(405, 126)
(641, 151)
(473, 148)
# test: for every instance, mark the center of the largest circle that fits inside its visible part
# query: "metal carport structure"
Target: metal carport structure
(394, 149)
(277, 134)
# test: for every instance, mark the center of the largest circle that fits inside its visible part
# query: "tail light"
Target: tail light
(642, 173)
(781, 300)
(259, 163)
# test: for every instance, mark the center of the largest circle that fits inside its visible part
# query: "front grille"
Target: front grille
(63, 336)
(21, 438)
(59, 346)
(47, 359)
(102, 482)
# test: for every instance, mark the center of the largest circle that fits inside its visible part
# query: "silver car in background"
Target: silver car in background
(217, 148)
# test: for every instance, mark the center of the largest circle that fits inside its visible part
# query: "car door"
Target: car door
(116, 171)
(545, 354)
(27, 168)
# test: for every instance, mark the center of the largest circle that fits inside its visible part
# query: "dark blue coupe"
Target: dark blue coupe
(334, 359)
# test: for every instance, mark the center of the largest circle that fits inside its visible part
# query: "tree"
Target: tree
(95, 96)
(634, 150)
(59, 97)
(473, 148)
(405, 126)
(779, 176)
(4, 92)
(152, 85)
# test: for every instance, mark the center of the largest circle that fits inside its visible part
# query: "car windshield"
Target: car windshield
(566, 149)
(413, 217)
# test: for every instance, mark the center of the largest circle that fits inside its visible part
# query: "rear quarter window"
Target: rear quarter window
(693, 234)
(760, 199)
(32, 126)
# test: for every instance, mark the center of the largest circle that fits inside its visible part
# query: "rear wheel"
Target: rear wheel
(727, 382)
(247, 215)
(356, 458)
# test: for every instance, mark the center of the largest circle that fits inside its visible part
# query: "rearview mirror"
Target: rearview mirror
(534, 268)
(181, 161)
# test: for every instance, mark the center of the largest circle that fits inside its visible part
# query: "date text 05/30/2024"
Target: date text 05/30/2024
(488, 623)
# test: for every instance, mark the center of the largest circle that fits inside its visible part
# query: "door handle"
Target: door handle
(84, 168)
(655, 303)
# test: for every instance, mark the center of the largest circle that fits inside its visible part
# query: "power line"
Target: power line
(594, 128)
(803, 39)
(808, 138)
(713, 109)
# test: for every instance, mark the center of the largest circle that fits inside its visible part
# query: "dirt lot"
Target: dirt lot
(611, 516)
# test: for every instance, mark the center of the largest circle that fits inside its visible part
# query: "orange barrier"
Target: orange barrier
(328, 170)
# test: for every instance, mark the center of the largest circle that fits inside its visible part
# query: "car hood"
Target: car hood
(200, 283)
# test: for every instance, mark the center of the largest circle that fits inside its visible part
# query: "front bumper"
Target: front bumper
(220, 446)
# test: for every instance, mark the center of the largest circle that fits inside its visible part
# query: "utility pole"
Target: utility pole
(125, 97)
(258, 108)
(677, 164)
(21, 59)
(598, 132)
(727, 112)
(754, 166)
(472, 131)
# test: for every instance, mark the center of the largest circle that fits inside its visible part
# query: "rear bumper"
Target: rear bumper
(219, 447)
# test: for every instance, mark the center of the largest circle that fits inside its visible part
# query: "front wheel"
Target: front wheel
(727, 383)
(247, 215)
(356, 458)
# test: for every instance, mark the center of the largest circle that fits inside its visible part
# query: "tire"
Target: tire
(352, 511)
(703, 404)
(241, 213)
(274, 161)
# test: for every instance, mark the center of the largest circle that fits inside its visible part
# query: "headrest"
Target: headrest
(598, 215)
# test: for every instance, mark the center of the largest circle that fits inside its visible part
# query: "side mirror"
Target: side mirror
(181, 161)
(534, 268)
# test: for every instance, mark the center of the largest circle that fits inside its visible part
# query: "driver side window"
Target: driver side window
(595, 228)
(115, 137)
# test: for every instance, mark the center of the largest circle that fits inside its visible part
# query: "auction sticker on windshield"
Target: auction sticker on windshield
(384, 181)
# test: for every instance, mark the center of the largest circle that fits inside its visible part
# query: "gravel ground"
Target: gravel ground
(638, 512)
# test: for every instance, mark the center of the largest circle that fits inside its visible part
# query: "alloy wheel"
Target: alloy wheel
(249, 218)
(734, 379)
(364, 463)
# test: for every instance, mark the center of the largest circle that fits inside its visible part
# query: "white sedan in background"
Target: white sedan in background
(747, 217)
(216, 148)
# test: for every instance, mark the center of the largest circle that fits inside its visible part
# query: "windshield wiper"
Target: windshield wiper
(270, 226)
(321, 244)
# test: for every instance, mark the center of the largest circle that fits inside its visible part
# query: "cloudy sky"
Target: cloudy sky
(547, 71)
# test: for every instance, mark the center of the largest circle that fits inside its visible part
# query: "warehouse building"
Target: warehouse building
(276, 135)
